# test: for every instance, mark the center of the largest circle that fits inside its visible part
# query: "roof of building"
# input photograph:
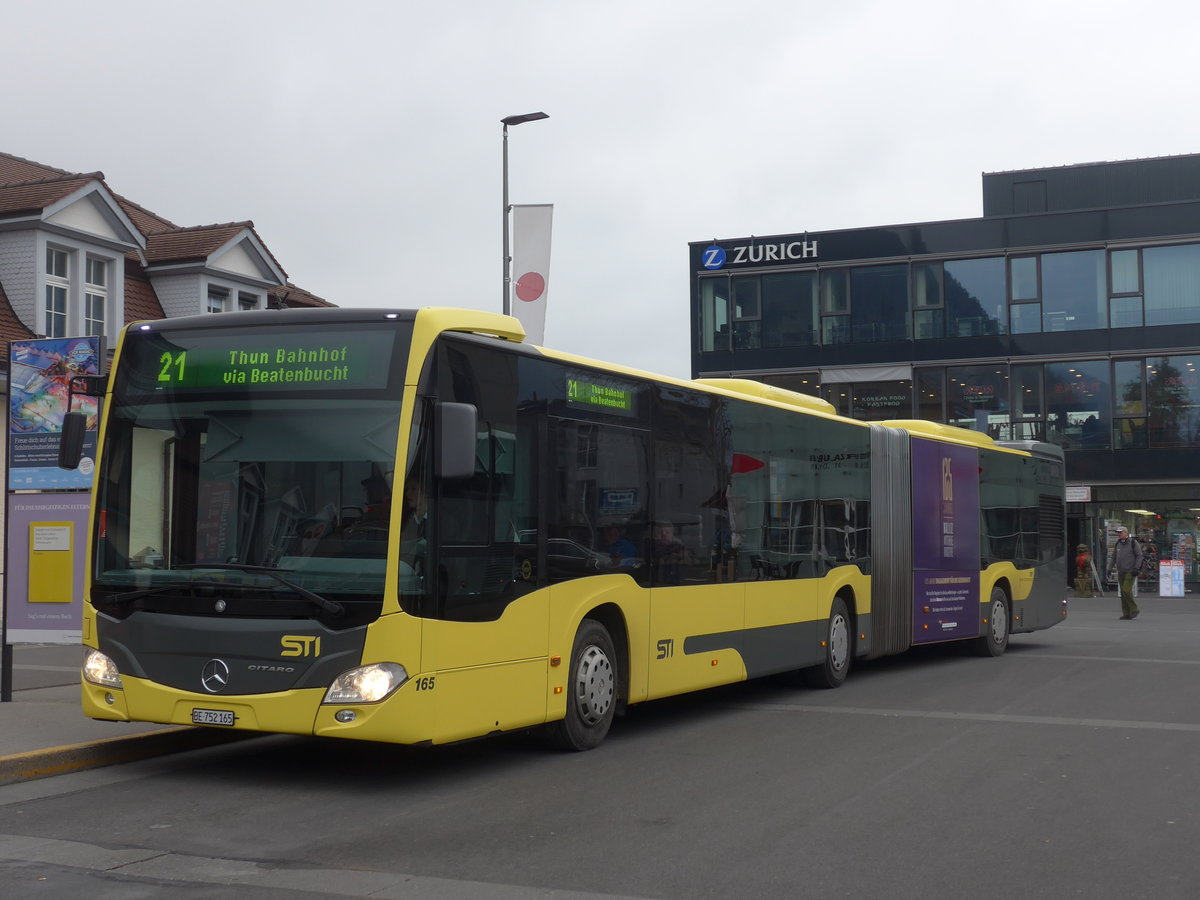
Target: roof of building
(28, 197)
(27, 188)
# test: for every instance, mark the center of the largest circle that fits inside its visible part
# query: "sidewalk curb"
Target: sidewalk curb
(70, 758)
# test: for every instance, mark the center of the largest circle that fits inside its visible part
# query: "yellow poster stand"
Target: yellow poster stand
(51, 562)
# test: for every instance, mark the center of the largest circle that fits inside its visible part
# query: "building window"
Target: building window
(930, 394)
(747, 314)
(879, 298)
(1129, 404)
(58, 285)
(95, 296)
(714, 314)
(218, 300)
(877, 401)
(1172, 280)
(1073, 291)
(1125, 288)
(974, 297)
(247, 301)
(835, 307)
(1173, 399)
(927, 301)
(789, 308)
(800, 382)
(978, 398)
(1028, 411)
(1024, 295)
(1077, 404)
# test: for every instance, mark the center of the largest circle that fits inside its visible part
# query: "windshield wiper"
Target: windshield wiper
(161, 589)
(332, 607)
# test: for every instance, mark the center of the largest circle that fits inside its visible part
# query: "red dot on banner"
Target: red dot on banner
(530, 286)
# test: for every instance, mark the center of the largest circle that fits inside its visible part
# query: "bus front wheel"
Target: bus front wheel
(839, 649)
(994, 640)
(592, 691)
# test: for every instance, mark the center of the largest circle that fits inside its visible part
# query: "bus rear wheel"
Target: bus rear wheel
(592, 691)
(994, 640)
(839, 649)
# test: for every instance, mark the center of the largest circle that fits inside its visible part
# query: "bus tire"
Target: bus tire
(994, 640)
(592, 690)
(839, 650)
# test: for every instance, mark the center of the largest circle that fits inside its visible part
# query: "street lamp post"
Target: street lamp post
(506, 121)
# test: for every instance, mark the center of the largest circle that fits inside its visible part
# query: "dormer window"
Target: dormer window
(218, 300)
(247, 301)
(58, 287)
(95, 297)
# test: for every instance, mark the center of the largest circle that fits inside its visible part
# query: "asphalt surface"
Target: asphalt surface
(44, 733)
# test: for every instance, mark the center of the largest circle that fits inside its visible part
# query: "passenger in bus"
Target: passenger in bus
(668, 554)
(619, 548)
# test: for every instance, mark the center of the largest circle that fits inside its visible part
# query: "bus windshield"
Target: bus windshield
(227, 453)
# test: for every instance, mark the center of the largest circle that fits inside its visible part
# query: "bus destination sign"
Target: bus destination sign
(594, 395)
(282, 361)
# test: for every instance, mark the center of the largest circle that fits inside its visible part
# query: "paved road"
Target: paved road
(1066, 768)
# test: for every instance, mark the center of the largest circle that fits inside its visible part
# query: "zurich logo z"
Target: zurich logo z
(713, 257)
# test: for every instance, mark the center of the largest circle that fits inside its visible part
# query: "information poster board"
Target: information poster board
(1170, 577)
(945, 522)
(46, 535)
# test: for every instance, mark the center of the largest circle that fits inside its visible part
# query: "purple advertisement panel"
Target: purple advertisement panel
(945, 516)
(39, 373)
(43, 597)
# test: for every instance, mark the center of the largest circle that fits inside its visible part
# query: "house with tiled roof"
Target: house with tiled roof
(76, 258)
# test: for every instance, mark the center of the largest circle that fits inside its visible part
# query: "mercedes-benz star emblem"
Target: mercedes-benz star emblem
(214, 676)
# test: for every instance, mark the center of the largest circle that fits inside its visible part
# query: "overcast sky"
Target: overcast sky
(363, 138)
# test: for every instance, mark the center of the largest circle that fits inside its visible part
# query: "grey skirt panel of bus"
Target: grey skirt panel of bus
(891, 517)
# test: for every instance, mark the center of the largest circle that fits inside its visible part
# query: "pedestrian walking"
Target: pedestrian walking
(1125, 560)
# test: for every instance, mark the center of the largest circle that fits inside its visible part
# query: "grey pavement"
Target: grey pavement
(43, 731)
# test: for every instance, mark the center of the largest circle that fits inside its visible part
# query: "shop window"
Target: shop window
(800, 382)
(1173, 401)
(930, 391)
(978, 398)
(1129, 404)
(877, 401)
(1077, 404)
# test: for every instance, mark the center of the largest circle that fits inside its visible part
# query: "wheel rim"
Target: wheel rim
(839, 641)
(594, 685)
(999, 621)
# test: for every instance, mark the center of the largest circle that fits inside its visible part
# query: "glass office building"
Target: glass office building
(1069, 312)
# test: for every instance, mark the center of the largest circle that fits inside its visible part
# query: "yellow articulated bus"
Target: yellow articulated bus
(411, 526)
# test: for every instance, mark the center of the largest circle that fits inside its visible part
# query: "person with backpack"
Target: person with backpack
(1126, 560)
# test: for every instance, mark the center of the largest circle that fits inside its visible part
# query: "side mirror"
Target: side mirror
(455, 426)
(70, 445)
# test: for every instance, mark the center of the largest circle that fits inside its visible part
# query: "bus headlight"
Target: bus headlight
(366, 684)
(99, 669)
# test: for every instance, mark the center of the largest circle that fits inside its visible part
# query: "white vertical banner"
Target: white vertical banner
(531, 266)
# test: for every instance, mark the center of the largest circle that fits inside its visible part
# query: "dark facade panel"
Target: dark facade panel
(1128, 183)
